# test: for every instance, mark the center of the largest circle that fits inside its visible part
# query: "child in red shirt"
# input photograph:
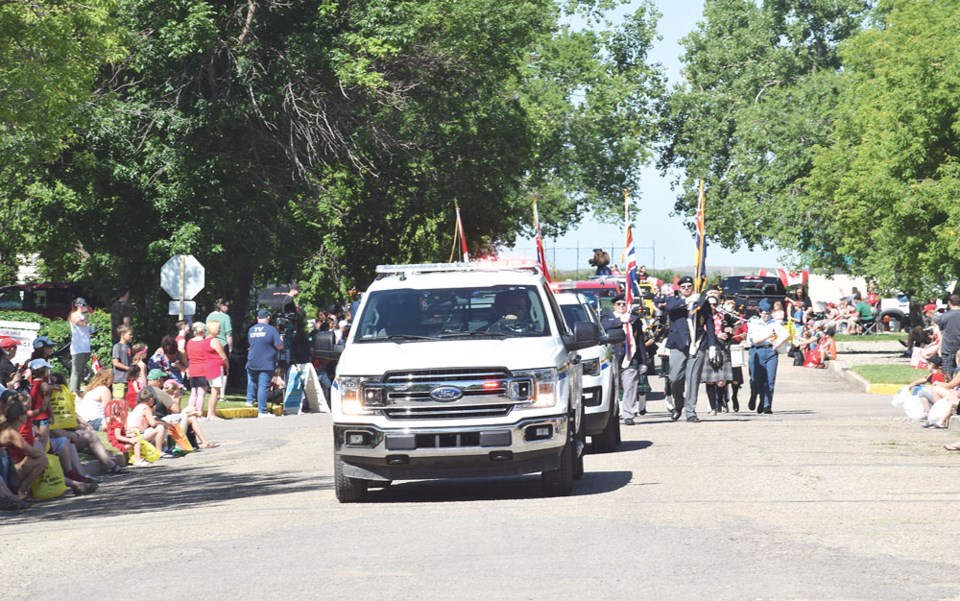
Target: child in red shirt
(40, 392)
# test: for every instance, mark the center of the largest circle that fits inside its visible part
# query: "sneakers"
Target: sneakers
(265, 415)
(693, 419)
(251, 404)
(628, 422)
(141, 463)
(84, 488)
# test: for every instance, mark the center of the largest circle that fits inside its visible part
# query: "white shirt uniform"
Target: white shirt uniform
(759, 332)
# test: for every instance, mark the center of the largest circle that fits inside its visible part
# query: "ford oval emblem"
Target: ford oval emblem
(446, 394)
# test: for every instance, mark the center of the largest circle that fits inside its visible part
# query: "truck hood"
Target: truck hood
(373, 358)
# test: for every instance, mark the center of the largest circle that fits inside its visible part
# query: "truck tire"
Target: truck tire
(349, 490)
(579, 448)
(895, 320)
(559, 482)
(607, 441)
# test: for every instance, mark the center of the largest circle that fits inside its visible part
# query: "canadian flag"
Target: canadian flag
(96, 364)
(788, 278)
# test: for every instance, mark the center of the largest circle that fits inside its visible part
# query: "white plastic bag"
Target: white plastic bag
(939, 411)
(900, 397)
(913, 407)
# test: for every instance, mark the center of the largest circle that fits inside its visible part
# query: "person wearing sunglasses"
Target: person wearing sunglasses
(692, 342)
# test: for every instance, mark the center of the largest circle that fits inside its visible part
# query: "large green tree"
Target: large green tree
(315, 139)
(885, 185)
(759, 83)
(51, 53)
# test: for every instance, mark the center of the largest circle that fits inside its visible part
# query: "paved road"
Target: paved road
(832, 497)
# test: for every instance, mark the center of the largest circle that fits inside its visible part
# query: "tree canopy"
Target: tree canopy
(314, 140)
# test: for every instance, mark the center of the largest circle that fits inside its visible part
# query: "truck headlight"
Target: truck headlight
(545, 382)
(360, 396)
(591, 367)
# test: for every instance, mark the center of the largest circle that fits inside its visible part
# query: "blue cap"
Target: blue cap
(263, 314)
(764, 305)
(42, 341)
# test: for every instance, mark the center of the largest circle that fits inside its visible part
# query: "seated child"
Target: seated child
(143, 419)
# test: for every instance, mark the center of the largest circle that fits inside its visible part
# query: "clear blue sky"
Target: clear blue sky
(654, 227)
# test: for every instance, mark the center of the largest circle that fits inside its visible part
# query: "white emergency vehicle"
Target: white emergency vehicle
(457, 370)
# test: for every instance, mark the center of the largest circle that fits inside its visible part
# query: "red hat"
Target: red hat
(926, 308)
(832, 305)
(9, 342)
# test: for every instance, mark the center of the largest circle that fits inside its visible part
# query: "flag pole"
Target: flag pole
(541, 254)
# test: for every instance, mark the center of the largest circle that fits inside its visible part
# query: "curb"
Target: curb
(245, 412)
(888, 389)
(845, 374)
(867, 386)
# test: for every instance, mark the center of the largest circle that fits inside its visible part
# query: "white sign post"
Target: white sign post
(182, 277)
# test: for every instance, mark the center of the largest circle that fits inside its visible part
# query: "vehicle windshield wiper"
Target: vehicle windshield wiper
(470, 333)
(399, 337)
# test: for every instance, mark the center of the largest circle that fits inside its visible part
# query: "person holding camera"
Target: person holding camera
(692, 341)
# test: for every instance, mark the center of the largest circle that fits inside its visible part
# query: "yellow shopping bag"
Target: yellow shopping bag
(63, 406)
(50, 484)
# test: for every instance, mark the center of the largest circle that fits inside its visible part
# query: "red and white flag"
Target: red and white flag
(630, 346)
(463, 238)
(96, 364)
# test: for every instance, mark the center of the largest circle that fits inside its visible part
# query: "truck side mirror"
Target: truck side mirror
(324, 346)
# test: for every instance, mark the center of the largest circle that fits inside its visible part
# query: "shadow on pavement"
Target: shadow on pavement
(488, 489)
(632, 445)
(154, 489)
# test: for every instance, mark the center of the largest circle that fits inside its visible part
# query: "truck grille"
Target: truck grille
(441, 412)
(484, 393)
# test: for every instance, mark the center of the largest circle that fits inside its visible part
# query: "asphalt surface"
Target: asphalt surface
(834, 496)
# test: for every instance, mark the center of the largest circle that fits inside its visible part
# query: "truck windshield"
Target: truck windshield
(408, 314)
(753, 286)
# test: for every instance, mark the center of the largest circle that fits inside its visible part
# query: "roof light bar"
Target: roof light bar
(455, 267)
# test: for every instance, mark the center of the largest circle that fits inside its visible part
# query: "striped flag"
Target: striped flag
(631, 262)
(541, 256)
(463, 238)
(701, 239)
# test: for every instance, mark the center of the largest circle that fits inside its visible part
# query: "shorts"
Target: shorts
(42, 422)
(199, 382)
(96, 423)
(217, 382)
(58, 443)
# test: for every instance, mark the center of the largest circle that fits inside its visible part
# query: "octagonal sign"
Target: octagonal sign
(193, 276)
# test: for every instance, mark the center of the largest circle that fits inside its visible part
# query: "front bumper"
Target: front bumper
(528, 446)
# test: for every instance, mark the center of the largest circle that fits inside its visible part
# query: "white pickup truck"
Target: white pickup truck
(457, 370)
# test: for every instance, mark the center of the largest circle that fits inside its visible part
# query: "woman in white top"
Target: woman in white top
(764, 335)
(79, 344)
(95, 396)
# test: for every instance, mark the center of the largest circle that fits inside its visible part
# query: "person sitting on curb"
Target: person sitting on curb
(168, 408)
(17, 434)
(151, 429)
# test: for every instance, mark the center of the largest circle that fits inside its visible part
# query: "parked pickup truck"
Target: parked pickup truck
(457, 370)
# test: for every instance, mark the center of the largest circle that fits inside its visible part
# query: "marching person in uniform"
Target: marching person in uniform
(764, 335)
(691, 342)
(631, 368)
